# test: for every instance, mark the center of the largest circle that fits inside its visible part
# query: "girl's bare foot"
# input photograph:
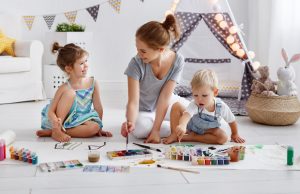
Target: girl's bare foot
(171, 139)
(44, 133)
(60, 136)
(104, 133)
(190, 136)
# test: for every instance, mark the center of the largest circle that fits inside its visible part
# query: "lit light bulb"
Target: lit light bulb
(168, 12)
(233, 30)
(240, 53)
(255, 65)
(218, 17)
(223, 25)
(251, 54)
(176, 1)
(230, 39)
(213, 1)
(235, 46)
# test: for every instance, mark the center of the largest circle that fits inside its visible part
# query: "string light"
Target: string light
(240, 53)
(223, 25)
(255, 65)
(173, 7)
(219, 17)
(213, 1)
(251, 54)
(230, 39)
(233, 30)
(235, 46)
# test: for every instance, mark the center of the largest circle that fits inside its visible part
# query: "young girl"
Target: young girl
(70, 114)
(152, 76)
(201, 119)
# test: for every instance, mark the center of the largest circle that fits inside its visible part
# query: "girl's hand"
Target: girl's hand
(153, 137)
(56, 124)
(127, 127)
(236, 138)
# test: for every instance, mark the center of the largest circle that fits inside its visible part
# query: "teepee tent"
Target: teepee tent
(211, 39)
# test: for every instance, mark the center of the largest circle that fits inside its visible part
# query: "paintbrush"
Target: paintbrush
(178, 169)
(127, 143)
(147, 147)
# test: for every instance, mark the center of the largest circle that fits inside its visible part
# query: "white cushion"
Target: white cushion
(10, 64)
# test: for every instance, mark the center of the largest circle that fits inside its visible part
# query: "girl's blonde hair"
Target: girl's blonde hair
(156, 34)
(205, 77)
(68, 54)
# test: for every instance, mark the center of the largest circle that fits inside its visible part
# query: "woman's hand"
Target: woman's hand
(127, 127)
(153, 137)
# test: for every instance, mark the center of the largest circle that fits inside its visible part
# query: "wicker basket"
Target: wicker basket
(273, 110)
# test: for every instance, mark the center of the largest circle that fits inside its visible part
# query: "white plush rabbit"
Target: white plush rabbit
(286, 76)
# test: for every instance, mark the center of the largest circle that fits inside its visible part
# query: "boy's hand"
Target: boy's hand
(236, 138)
(127, 127)
(153, 137)
(180, 132)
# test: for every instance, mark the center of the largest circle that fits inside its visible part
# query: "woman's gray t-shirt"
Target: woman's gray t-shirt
(150, 86)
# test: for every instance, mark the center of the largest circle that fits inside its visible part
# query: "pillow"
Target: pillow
(229, 88)
(183, 91)
(6, 44)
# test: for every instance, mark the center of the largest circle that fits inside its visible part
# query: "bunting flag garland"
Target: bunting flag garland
(116, 4)
(49, 19)
(93, 11)
(71, 16)
(29, 21)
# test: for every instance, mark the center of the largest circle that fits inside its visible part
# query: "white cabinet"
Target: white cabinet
(82, 39)
(53, 76)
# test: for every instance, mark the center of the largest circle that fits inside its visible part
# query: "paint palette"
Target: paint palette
(130, 154)
(60, 165)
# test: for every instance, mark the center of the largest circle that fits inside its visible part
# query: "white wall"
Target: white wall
(114, 43)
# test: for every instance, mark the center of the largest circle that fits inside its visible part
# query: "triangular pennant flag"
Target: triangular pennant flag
(93, 11)
(29, 21)
(116, 4)
(71, 16)
(49, 19)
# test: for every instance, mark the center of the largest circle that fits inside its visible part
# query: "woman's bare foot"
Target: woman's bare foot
(60, 136)
(171, 139)
(104, 133)
(44, 133)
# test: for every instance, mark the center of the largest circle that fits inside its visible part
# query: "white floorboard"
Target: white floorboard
(24, 119)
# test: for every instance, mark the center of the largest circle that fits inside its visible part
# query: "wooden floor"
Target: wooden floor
(24, 119)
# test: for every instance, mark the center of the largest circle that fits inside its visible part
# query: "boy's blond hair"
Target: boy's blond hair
(205, 77)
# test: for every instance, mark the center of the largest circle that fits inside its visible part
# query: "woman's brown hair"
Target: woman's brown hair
(68, 54)
(156, 34)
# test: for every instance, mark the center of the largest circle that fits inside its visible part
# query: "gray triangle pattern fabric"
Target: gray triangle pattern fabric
(188, 22)
(93, 11)
(247, 81)
(49, 19)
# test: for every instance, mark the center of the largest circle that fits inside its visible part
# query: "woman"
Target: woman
(152, 76)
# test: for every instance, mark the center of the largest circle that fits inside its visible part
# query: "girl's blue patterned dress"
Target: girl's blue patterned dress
(80, 112)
